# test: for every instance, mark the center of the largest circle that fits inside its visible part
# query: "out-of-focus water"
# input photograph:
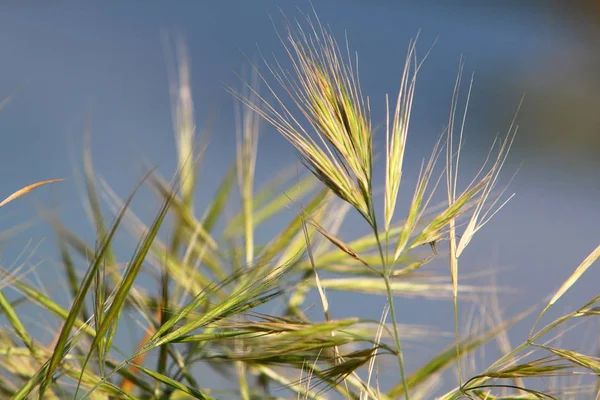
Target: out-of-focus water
(64, 61)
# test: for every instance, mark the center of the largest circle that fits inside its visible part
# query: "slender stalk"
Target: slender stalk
(243, 381)
(454, 264)
(386, 277)
(248, 231)
(396, 335)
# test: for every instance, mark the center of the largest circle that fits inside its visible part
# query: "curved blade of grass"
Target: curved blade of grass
(25, 190)
(15, 322)
(573, 278)
(16, 303)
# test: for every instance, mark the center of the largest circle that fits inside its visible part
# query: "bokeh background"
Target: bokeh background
(63, 62)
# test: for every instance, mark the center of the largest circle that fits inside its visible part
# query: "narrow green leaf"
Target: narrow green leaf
(48, 304)
(182, 212)
(573, 278)
(293, 228)
(79, 300)
(121, 292)
(164, 307)
(94, 201)
(67, 262)
(15, 322)
(174, 384)
(220, 200)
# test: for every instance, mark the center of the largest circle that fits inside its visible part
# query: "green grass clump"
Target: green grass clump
(217, 285)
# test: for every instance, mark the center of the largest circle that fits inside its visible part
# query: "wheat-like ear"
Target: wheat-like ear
(396, 134)
(335, 140)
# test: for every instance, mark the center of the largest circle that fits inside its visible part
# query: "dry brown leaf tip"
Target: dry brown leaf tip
(26, 190)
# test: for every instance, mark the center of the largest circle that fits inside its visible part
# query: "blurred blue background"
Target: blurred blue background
(64, 60)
